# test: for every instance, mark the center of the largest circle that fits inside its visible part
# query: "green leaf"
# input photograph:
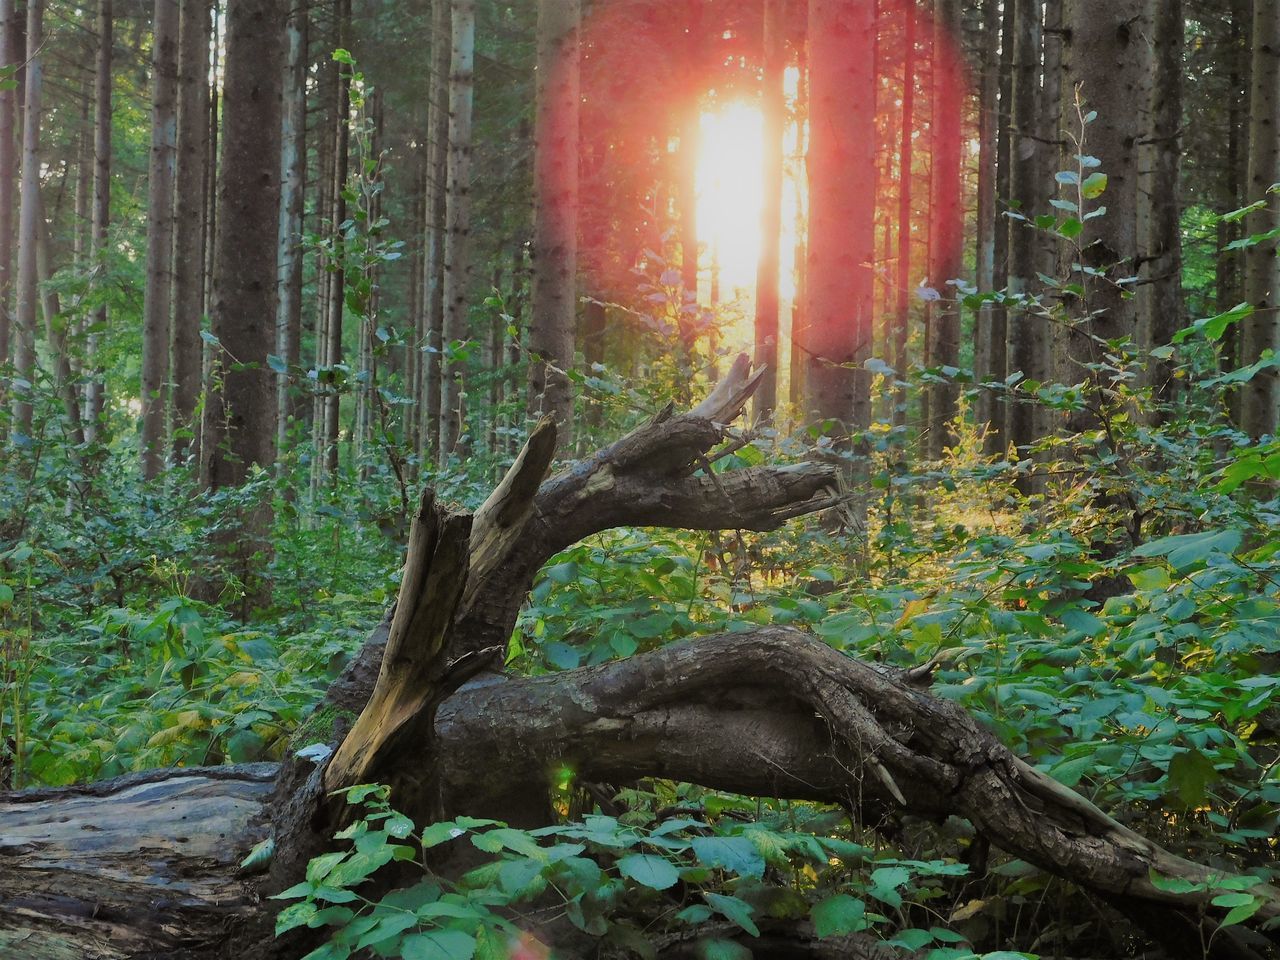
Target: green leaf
(1082, 620)
(1071, 228)
(839, 916)
(1212, 328)
(295, 915)
(734, 910)
(321, 866)
(1190, 774)
(1094, 186)
(722, 950)
(648, 870)
(737, 854)
(1243, 906)
(1191, 549)
(439, 945)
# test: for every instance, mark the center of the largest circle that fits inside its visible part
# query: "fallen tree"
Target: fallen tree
(146, 866)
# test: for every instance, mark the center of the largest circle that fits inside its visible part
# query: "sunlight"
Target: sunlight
(730, 185)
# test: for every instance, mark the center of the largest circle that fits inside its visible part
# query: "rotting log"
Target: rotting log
(146, 866)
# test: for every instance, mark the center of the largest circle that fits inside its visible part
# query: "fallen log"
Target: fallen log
(147, 866)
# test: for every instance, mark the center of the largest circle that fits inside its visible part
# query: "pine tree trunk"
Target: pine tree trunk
(555, 216)
(95, 388)
(55, 331)
(773, 115)
(906, 180)
(1164, 243)
(327, 459)
(841, 164)
(457, 238)
(1027, 191)
(989, 336)
(158, 286)
(188, 249)
(1104, 60)
(28, 224)
(943, 346)
(293, 168)
(239, 426)
(997, 438)
(1262, 267)
(10, 56)
(435, 204)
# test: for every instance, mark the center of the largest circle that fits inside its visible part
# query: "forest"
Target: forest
(530, 479)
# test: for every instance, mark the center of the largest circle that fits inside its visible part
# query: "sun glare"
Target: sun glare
(730, 188)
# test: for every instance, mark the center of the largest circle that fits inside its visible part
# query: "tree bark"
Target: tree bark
(1103, 60)
(555, 216)
(158, 287)
(24, 360)
(836, 338)
(1164, 242)
(239, 428)
(55, 330)
(942, 348)
(906, 175)
(433, 259)
(188, 248)
(1262, 267)
(95, 387)
(773, 109)
(457, 238)
(293, 170)
(988, 327)
(10, 57)
(1026, 338)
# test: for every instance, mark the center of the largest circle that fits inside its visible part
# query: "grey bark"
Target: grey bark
(188, 247)
(555, 216)
(989, 334)
(10, 56)
(158, 287)
(773, 116)
(24, 360)
(95, 387)
(433, 258)
(457, 238)
(293, 163)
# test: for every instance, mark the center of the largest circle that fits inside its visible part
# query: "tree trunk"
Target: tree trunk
(327, 455)
(55, 331)
(24, 360)
(433, 259)
(239, 428)
(943, 346)
(293, 169)
(158, 285)
(988, 328)
(95, 387)
(188, 249)
(10, 57)
(773, 110)
(457, 238)
(1104, 62)
(766, 712)
(555, 216)
(1262, 267)
(836, 338)
(906, 172)
(1026, 337)
(1164, 243)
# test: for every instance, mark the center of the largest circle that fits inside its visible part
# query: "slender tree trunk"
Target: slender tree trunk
(773, 109)
(555, 216)
(28, 224)
(1262, 267)
(239, 430)
(943, 347)
(1025, 335)
(328, 458)
(10, 56)
(158, 286)
(841, 167)
(188, 247)
(95, 388)
(687, 193)
(988, 341)
(1164, 244)
(211, 172)
(997, 437)
(293, 166)
(457, 238)
(433, 259)
(327, 92)
(906, 165)
(515, 347)
(55, 331)
(1103, 60)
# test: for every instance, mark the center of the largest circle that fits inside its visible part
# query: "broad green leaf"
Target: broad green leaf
(1190, 774)
(439, 945)
(737, 854)
(733, 909)
(648, 870)
(839, 916)
(1094, 186)
(722, 950)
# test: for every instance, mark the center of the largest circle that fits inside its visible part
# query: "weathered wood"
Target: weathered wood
(141, 865)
